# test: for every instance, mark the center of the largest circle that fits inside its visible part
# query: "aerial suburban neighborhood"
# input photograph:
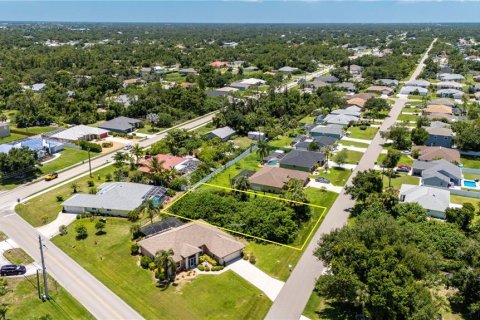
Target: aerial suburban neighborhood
(229, 171)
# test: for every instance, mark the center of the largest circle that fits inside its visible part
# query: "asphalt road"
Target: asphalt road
(100, 301)
(294, 295)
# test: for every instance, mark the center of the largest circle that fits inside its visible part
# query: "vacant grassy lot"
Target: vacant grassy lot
(147, 128)
(107, 257)
(12, 137)
(353, 143)
(243, 142)
(281, 142)
(470, 162)
(44, 209)
(17, 256)
(399, 179)
(337, 176)
(67, 158)
(23, 302)
(308, 120)
(250, 162)
(367, 134)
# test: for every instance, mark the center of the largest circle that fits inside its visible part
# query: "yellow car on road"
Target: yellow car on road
(51, 176)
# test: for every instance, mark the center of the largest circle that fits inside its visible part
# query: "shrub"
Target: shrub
(59, 198)
(245, 256)
(252, 259)
(108, 177)
(152, 266)
(206, 258)
(92, 190)
(217, 268)
(81, 232)
(201, 267)
(90, 183)
(134, 249)
(207, 269)
(93, 146)
(107, 144)
(63, 229)
(170, 192)
(363, 127)
(145, 261)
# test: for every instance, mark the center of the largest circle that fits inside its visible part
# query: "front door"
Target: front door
(192, 262)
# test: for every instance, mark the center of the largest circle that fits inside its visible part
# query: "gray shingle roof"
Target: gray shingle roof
(304, 159)
(328, 130)
(223, 132)
(120, 124)
(429, 198)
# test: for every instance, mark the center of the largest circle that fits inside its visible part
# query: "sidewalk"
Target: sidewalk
(356, 140)
(330, 187)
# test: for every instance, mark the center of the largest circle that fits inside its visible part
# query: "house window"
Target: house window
(192, 262)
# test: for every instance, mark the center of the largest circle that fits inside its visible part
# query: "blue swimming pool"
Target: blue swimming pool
(272, 163)
(469, 184)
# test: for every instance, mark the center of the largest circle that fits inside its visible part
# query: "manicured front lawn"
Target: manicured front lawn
(353, 157)
(281, 142)
(407, 117)
(367, 134)
(12, 137)
(461, 200)
(337, 176)
(107, 257)
(23, 302)
(399, 179)
(67, 158)
(404, 159)
(147, 129)
(44, 208)
(250, 162)
(353, 143)
(470, 162)
(17, 256)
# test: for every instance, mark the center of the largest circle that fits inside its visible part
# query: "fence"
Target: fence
(227, 165)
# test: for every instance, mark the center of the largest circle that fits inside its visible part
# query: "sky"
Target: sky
(244, 11)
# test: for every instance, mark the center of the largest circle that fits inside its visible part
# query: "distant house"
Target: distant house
(223, 133)
(434, 200)
(438, 173)
(356, 102)
(273, 179)
(340, 119)
(439, 137)
(442, 101)
(451, 77)
(145, 71)
(40, 146)
(382, 90)
(256, 135)
(328, 79)
(121, 125)
(251, 68)
(115, 198)
(287, 69)
(187, 71)
(158, 69)
(37, 87)
(191, 240)
(413, 90)
(218, 64)
(232, 44)
(350, 111)
(438, 124)
(327, 131)
(346, 86)
(134, 81)
(245, 84)
(302, 160)
(392, 83)
(355, 70)
(435, 153)
(78, 133)
(125, 99)
(4, 129)
(418, 83)
(449, 85)
(450, 93)
(321, 142)
(184, 165)
(476, 88)
(316, 84)
(221, 92)
(438, 108)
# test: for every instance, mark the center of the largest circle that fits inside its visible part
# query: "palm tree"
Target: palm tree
(3, 311)
(137, 152)
(241, 184)
(74, 187)
(151, 210)
(296, 194)
(327, 151)
(263, 149)
(120, 159)
(165, 263)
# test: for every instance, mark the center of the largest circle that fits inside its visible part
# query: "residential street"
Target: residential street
(294, 295)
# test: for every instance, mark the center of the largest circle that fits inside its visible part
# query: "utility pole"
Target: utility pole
(44, 269)
(89, 162)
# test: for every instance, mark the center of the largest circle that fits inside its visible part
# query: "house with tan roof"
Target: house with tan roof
(184, 165)
(438, 108)
(427, 153)
(191, 240)
(380, 90)
(273, 179)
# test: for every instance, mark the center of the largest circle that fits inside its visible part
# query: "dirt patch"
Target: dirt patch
(184, 277)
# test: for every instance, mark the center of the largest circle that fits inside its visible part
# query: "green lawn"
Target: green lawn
(404, 159)
(353, 143)
(353, 157)
(23, 302)
(411, 110)
(281, 142)
(250, 162)
(17, 256)
(274, 259)
(107, 257)
(470, 176)
(174, 77)
(407, 117)
(205, 129)
(68, 157)
(243, 142)
(12, 137)
(36, 129)
(318, 308)
(399, 179)
(44, 209)
(147, 129)
(308, 120)
(470, 162)
(337, 176)
(367, 134)
(461, 200)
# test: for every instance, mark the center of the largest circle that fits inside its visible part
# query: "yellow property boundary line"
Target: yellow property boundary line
(165, 211)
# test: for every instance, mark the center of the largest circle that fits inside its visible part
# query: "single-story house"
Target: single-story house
(418, 83)
(251, 68)
(434, 200)
(439, 124)
(125, 99)
(349, 111)
(413, 90)
(439, 173)
(191, 240)
(392, 83)
(121, 125)
(4, 129)
(129, 82)
(221, 91)
(359, 102)
(321, 142)
(450, 77)
(315, 84)
(383, 90)
(449, 85)
(442, 101)
(245, 84)
(340, 119)
(223, 133)
(273, 179)
(184, 165)
(287, 69)
(256, 135)
(115, 198)
(439, 137)
(435, 153)
(445, 68)
(450, 93)
(79, 133)
(331, 131)
(476, 88)
(302, 160)
(40, 146)
(37, 87)
(218, 64)
(187, 71)
(275, 155)
(327, 79)
(158, 69)
(438, 108)
(355, 69)
(346, 86)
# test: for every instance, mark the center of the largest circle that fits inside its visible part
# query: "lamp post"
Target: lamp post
(89, 162)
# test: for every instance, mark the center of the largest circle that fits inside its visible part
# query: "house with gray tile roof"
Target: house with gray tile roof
(450, 77)
(350, 111)
(434, 200)
(410, 90)
(450, 93)
(287, 69)
(439, 137)
(327, 79)
(346, 86)
(321, 142)
(302, 160)
(121, 125)
(340, 119)
(327, 131)
(115, 198)
(418, 83)
(223, 133)
(437, 173)
(392, 83)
